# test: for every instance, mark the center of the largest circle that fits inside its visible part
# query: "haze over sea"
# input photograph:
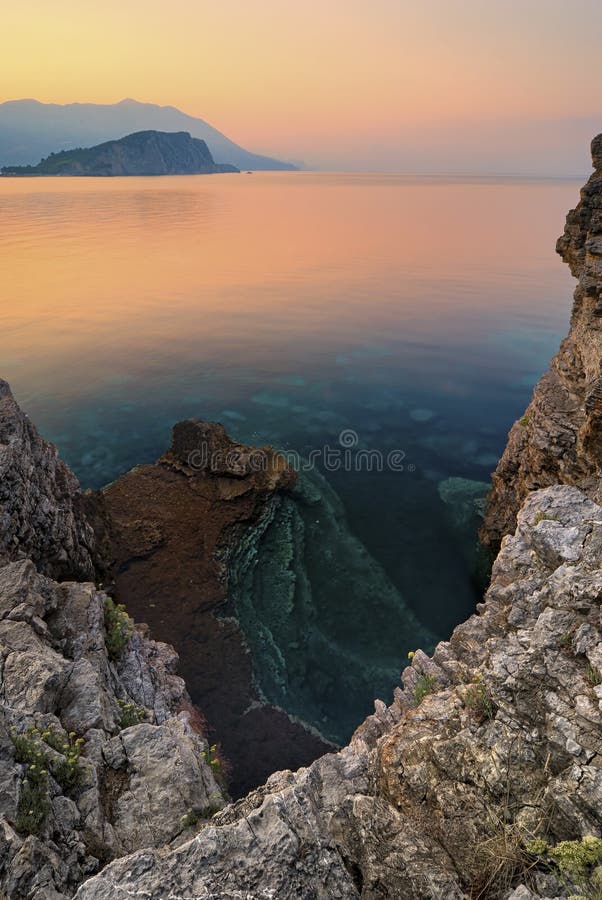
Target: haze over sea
(417, 312)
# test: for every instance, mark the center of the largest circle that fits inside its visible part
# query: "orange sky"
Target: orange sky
(286, 77)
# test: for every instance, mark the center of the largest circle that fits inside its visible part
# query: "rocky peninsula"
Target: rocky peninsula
(483, 777)
(142, 153)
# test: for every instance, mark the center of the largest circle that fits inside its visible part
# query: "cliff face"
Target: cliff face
(559, 439)
(42, 510)
(142, 153)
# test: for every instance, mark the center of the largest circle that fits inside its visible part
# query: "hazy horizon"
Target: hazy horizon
(447, 87)
(531, 148)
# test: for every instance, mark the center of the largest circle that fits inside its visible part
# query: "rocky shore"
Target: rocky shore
(483, 777)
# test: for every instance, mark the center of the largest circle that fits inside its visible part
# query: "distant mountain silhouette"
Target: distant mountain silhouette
(141, 153)
(30, 130)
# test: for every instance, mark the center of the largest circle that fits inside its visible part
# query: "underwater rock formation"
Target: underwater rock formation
(559, 438)
(251, 572)
(175, 527)
(327, 629)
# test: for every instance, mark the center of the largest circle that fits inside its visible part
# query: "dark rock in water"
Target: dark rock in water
(176, 527)
(252, 573)
(42, 510)
(142, 153)
(559, 439)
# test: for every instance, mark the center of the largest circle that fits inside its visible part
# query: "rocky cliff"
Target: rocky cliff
(559, 438)
(99, 755)
(142, 153)
(42, 510)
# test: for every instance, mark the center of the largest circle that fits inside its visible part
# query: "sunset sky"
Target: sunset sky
(335, 82)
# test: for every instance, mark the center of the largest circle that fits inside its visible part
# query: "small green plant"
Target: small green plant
(565, 641)
(212, 759)
(34, 802)
(30, 750)
(524, 421)
(194, 816)
(478, 701)
(34, 799)
(68, 770)
(593, 676)
(119, 628)
(130, 714)
(191, 818)
(541, 516)
(218, 764)
(426, 684)
(575, 861)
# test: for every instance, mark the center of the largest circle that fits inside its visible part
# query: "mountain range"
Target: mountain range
(30, 130)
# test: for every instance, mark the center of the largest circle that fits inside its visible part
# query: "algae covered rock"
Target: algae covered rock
(327, 628)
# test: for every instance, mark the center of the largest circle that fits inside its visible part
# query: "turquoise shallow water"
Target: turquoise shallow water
(413, 314)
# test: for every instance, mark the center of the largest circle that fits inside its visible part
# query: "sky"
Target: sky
(381, 84)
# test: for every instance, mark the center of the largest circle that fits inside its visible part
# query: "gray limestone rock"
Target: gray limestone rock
(84, 777)
(41, 507)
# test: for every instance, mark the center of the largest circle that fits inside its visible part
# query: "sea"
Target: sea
(389, 328)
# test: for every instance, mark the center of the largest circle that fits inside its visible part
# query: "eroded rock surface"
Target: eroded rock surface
(559, 439)
(495, 740)
(42, 514)
(95, 759)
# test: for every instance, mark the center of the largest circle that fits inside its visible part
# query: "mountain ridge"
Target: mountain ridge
(30, 130)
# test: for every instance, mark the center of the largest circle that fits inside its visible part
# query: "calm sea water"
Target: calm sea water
(415, 312)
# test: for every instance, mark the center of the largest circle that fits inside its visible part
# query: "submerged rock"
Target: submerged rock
(422, 415)
(179, 529)
(285, 626)
(326, 627)
(464, 498)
